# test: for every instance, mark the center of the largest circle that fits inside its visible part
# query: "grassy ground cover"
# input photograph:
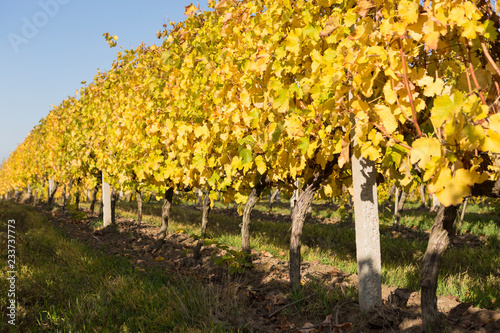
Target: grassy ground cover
(64, 286)
(470, 270)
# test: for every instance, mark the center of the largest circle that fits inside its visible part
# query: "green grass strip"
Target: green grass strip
(63, 286)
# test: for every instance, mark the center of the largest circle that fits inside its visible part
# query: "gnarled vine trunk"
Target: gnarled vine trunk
(93, 199)
(438, 242)
(422, 195)
(165, 213)
(77, 199)
(115, 196)
(249, 205)
(272, 198)
(398, 206)
(298, 217)
(462, 214)
(66, 193)
(204, 222)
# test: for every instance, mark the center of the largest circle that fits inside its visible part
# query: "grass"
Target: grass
(63, 286)
(471, 273)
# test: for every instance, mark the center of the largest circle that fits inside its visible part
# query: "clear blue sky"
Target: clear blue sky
(47, 47)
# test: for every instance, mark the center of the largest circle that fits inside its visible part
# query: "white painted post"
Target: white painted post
(106, 202)
(364, 178)
(435, 203)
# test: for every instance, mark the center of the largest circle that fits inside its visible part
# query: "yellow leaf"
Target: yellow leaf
(190, 10)
(458, 186)
(159, 176)
(367, 85)
(360, 108)
(423, 150)
(441, 111)
(201, 130)
(469, 30)
(495, 122)
(261, 164)
(457, 15)
(492, 142)
(431, 87)
(153, 129)
(328, 190)
(293, 126)
(408, 11)
(332, 24)
(212, 162)
(159, 259)
(262, 60)
(440, 180)
(370, 152)
(311, 149)
(389, 93)
(282, 157)
(236, 163)
(388, 120)
(431, 40)
(344, 152)
(292, 42)
(245, 98)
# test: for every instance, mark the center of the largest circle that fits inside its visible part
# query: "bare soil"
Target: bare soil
(263, 290)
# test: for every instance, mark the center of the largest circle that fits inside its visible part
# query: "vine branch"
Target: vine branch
(408, 90)
(490, 59)
(473, 74)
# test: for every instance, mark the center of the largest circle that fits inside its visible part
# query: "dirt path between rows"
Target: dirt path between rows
(263, 290)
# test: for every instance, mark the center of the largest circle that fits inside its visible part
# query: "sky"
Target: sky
(48, 47)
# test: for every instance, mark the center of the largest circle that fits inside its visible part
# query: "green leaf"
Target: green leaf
(490, 30)
(213, 179)
(277, 132)
(199, 162)
(246, 156)
(255, 114)
(165, 57)
(303, 145)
